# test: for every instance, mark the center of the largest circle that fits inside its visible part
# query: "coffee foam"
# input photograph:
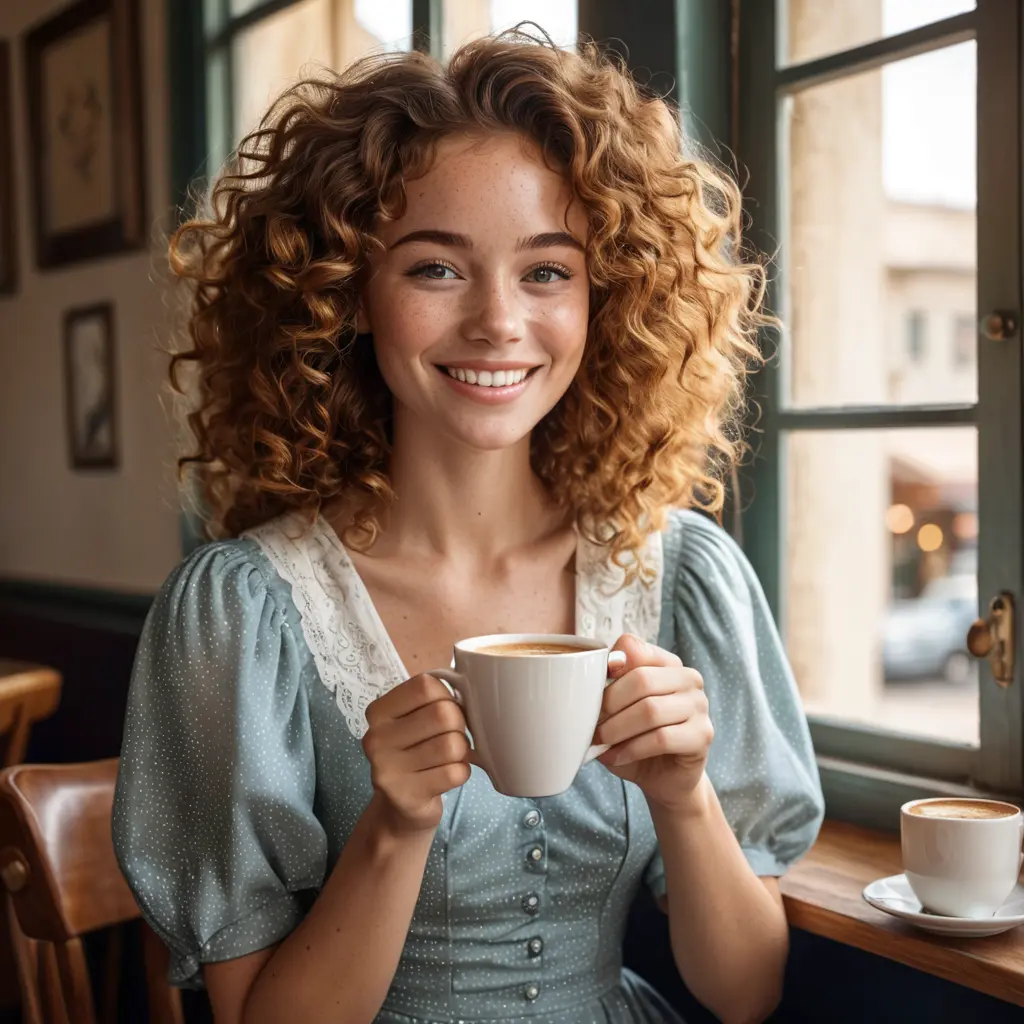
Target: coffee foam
(964, 809)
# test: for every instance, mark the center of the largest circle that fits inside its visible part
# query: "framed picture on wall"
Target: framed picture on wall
(84, 92)
(89, 387)
(8, 237)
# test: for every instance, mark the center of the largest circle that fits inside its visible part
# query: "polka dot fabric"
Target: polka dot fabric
(240, 782)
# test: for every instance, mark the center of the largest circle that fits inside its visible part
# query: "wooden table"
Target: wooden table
(823, 896)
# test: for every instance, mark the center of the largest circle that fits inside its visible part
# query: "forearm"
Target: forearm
(339, 963)
(729, 935)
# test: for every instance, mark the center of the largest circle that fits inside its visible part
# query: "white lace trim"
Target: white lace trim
(354, 655)
(605, 609)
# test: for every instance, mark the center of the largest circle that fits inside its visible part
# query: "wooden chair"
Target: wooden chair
(57, 863)
(28, 693)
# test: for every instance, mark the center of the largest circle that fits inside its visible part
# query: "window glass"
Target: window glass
(280, 49)
(467, 19)
(880, 576)
(881, 233)
(816, 28)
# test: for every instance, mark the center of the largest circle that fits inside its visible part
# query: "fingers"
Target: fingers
(447, 748)
(690, 739)
(639, 653)
(428, 720)
(648, 681)
(653, 712)
(406, 698)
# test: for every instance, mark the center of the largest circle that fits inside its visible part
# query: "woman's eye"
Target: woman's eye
(548, 275)
(435, 272)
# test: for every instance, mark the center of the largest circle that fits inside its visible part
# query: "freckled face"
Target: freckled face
(479, 305)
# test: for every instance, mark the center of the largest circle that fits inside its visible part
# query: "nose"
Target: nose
(494, 315)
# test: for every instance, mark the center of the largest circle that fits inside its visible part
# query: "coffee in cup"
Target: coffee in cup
(961, 855)
(532, 701)
(963, 808)
(525, 649)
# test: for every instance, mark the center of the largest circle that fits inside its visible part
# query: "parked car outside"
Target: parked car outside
(926, 636)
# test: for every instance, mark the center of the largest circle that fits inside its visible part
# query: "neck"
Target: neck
(455, 501)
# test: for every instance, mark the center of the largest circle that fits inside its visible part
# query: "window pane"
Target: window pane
(816, 28)
(880, 576)
(880, 246)
(467, 19)
(278, 50)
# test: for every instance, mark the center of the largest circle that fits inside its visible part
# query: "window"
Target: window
(965, 340)
(464, 19)
(886, 505)
(916, 325)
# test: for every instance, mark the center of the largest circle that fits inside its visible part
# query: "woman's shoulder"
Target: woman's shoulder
(698, 553)
(227, 577)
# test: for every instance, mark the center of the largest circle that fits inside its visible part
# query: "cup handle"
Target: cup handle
(615, 660)
(456, 685)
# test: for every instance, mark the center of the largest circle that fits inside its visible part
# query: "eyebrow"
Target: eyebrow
(545, 240)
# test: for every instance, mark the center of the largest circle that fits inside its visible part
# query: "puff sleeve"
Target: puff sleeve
(761, 762)
(213, 822)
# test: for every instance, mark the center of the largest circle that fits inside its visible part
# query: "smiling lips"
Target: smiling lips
(487, 378)
(488, 385)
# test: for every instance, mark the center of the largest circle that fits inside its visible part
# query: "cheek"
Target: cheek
(565, 328)
(404, 325)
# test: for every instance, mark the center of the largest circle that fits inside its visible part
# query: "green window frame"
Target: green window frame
(868, 772)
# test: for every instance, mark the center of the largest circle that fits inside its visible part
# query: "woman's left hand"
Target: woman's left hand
(655, 717)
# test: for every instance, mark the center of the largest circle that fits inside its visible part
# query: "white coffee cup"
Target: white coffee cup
(961, 856)
(531, 716)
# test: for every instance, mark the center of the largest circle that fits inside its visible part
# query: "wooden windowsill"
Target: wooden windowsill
(823, 896)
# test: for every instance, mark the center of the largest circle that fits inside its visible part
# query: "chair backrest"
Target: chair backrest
(57, 863)
(28, 693)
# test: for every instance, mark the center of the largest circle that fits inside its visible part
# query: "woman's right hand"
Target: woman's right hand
(417, 748)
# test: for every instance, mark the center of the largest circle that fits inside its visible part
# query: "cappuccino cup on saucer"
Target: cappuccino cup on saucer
(961, 855)
(532, 701)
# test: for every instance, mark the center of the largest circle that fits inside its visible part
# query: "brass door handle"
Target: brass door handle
(993, 637)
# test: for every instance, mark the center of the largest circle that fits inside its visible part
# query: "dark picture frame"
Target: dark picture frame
(8, 212)
(84, 91)
(90, 393)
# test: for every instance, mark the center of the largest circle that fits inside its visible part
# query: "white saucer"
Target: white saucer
(894, 896)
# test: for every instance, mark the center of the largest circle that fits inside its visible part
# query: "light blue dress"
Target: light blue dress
(242, 776)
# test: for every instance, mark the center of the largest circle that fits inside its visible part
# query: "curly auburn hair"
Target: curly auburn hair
(290, 412)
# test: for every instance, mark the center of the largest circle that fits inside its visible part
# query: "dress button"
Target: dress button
(535, 947)
(531, 819)
(531, 903)
(536, 853)
(531, 992)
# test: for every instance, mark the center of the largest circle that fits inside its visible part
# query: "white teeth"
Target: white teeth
(488, 378)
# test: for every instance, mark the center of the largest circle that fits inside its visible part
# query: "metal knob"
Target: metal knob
(993, 637)
(998, 325)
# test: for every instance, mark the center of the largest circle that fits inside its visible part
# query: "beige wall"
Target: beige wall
(115, 529)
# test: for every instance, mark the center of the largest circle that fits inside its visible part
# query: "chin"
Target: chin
(491, 440)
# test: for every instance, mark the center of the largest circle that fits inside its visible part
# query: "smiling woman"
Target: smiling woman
(464, 336)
